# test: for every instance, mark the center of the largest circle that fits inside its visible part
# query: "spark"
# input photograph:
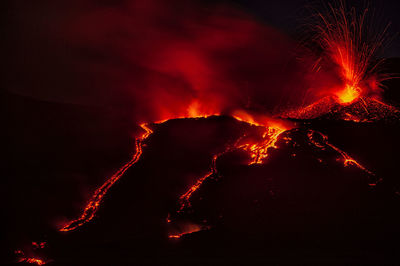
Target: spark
(347, 39)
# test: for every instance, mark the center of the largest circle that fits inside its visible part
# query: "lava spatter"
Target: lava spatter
(349, 40)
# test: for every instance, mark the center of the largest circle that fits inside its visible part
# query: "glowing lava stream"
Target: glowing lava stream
(184, 200)
(347, 159)
(257, 151)
(33, 261)
(93, 205)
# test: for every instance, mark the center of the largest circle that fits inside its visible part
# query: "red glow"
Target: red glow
(38, 245)
(347, 40)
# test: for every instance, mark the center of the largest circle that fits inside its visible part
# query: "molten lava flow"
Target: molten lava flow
(32, 261)
(184, 200)
(93, 205)
(193, 111)
(346, 159)
(272, 130)
(257, 151)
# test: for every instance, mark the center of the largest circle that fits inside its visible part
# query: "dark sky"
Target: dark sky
(49, 55)
(288, 14)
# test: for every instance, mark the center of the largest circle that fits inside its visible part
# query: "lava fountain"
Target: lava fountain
(348, 39)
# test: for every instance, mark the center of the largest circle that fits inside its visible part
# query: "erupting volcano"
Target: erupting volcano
(230, 120)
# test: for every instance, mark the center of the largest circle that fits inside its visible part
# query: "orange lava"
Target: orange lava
(32, 261)
(193, 111)
(184, 199)
(257, 151)
(349, 94)
(346, 159)
(93, 205)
